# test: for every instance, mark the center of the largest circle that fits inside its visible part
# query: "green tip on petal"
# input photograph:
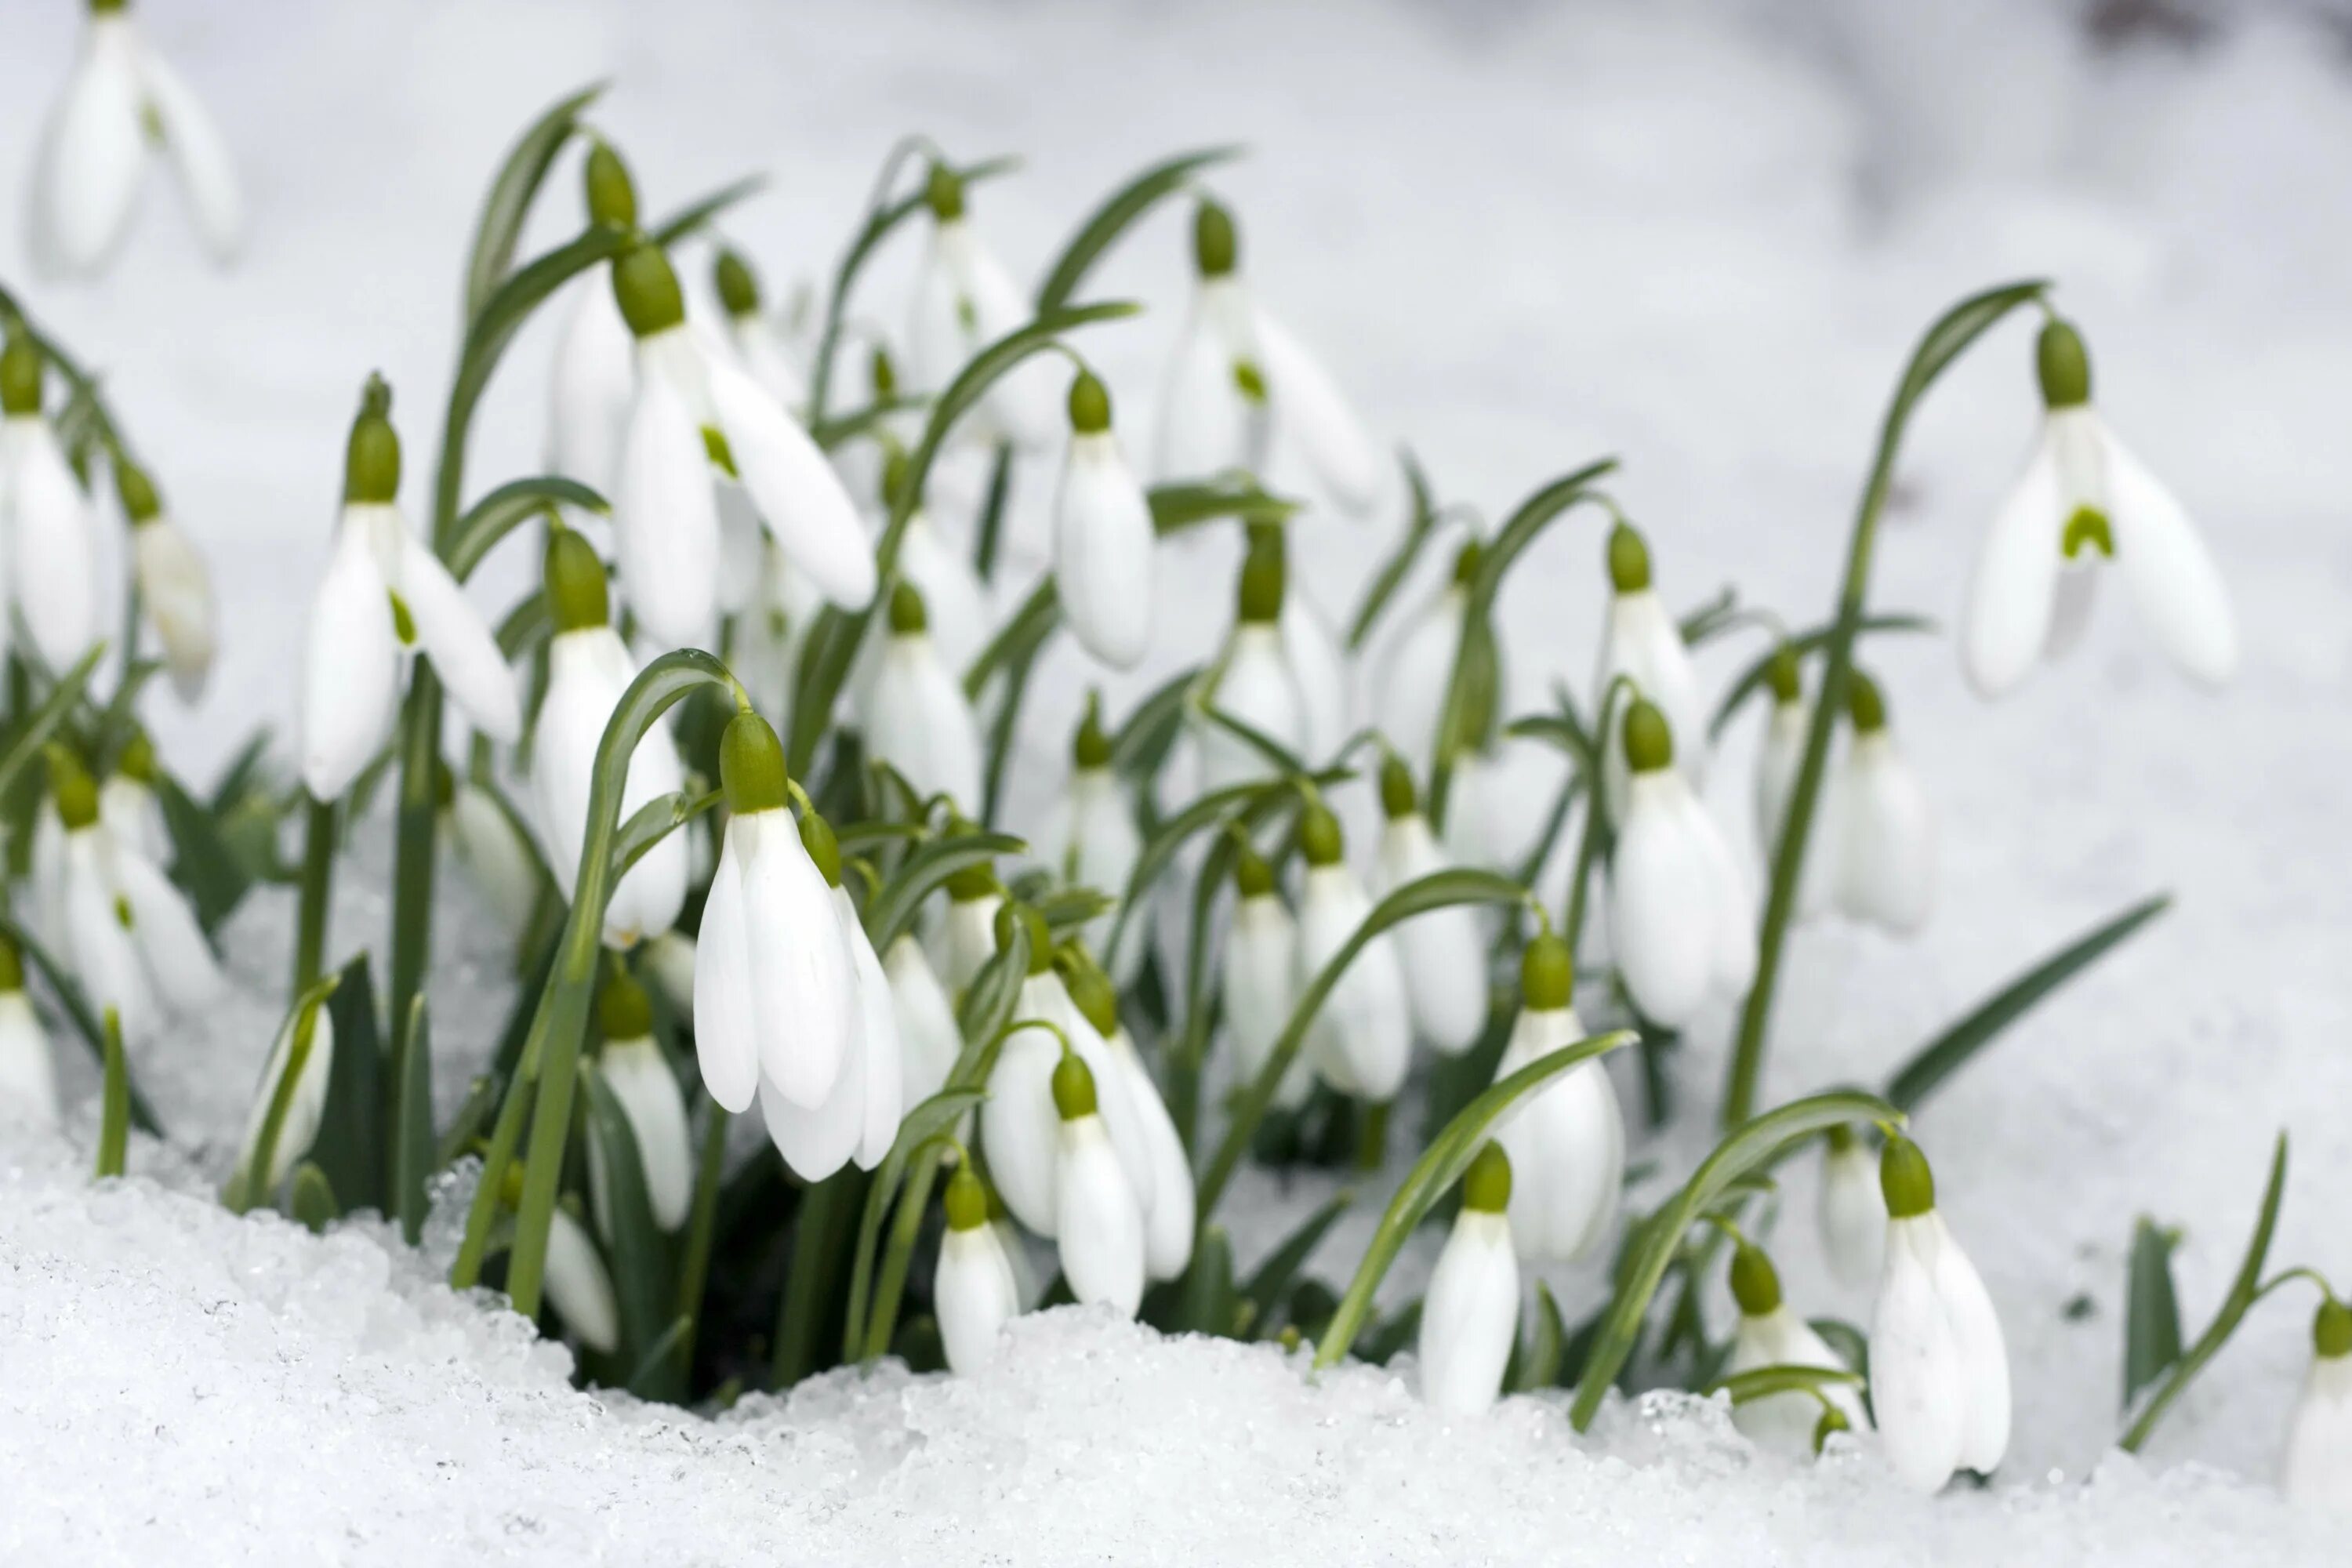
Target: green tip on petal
(967, 1199)
(1649, 740)
(1465, 562)
(1781, 673)
(137, 491)
(611, 193)
(1074, 1088)
(20, 377)
(2331, 1330)
(2062, 366)
(71, 786)
(817, 838)
(12, 967)
(1864, 703)
(371, 456)
(1398, 797)
(623, 1011)
(1253, 877)
(577, 591)
(1090, 991)
(138, 759)
(1487, 1185)
(1547, 974)
(751, 765)
(1319, 838)
(644, 285)
(1263, 580)
(1089, 405)
(1090, 751)
(1904, 1178)
(907, 616)
(1216, 244)
(1755, 1283)
(738, 287)
(1629, 559)
(944, 193)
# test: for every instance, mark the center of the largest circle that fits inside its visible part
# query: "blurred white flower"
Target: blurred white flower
(964, 301)
(1444, 953)
(1567, 1139)
(1938, 1367)
(1679, 916)
(1361, 1036)
(1097, 1219)
(1103, 538)
(47, 524)
(1640, 641)
(2317, 1473)
(175, 590)
(917, 719)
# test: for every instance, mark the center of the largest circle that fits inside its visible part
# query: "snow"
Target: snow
(1701, 236)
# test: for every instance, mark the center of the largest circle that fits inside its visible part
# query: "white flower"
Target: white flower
(580, 1285)
(1771, 1334)
(28, 1074)
(915, 716)
(1938, 1368)
(128, 804)
(1566, 1139)
(46, 523)
(669, 960)
(312, 1030)
(963, 936)
(1679, 920)
(955, 604)
(1640, 641)
(1098, 1218)
(589, 672)
(1103, 537)
(2084, 498)
(1168, 1196)
(491, 845)
(1260, 979)
(1443, 954)
(384, 596)
(120, 98)
(1360, 1038)
(129, 934)
(595, 376)
(639, 1076)
(2317, 1473)
(974, 1292)
(174, 589)
(859, 1118)
(1778, 759)
(928, 1038)
(1090, 840)
(1853, 1212)
(775, 986)
(1476, 804)
(964, 301)
(1255, 684)
(1418, 668)
(765, 651)
(1887, 851)
(1470, 1314)
(695, 422)
(758, 338)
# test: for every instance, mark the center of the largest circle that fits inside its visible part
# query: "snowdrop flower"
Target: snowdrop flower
(1419, 666)
(593, 380)
(128, 806)
(1098, 1220)
(638, 1075)
(697, 421)
(1236, 370)
(1678, 907)
(46, 522)
(1470, 1314)
(130, 935)
(915, 716)
(2318, 1469)
(669, 960)
(1315, 660)
(764, 651)
(1778, 762)
(973, 1294)
(309, 1035)
(858, 1118)
(1103, 537)
(494, 848)
(759, 338)
(1444, 956)
(1476, 833)
(1567, 1139)
(120, 98)
(964, 301)
(175, 588)
(954, 603)
(1090, 840)
(1938, 1369)
(1361, 1038)
(1168, 1214)
(1886, 860)
(963, 939)
(1852, 1210)
(580, 1285)
(1640, 641)
(928, 1038)
(1771, 1334)
(1255, 682)
(2083, 498)
(775, 986)
(1260, 979)
(28, 1074)
(384, 596)
(589, 672)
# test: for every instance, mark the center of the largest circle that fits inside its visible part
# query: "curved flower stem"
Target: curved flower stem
(114, 1105)
(1944, 343)
(318, 890)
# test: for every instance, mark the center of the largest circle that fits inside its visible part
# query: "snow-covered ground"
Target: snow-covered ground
(1701, 236)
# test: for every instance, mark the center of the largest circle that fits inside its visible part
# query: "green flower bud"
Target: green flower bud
(1781, 675)
(12, 967)
(751, 765)
(1865, 704)
(137, 491)
(1263, 577)
(816, 838)
(898, 473)
(2062, 366)
(612, 194)
(1090, 991)
(20, 377)
(1904, 1178)
(645, 287)
(2331, 1330)
(1465, 562)
(1629, 559)
(372, 458)
(1649, 742)
(907, 616)
(1090, 751)
(1832, 1421)
(1547, 974)
(944, 193)
(1041, 941)
(577, 591)
(1074, 1088)
(881, 374)
(972, 883)
(1089, 405)
(1755, 1283)
(1253, 877)
(71, 786)
(1487, 1185)
(1397, 796)
(138, 759)
(967, 1199)
(738, 287)
(1319, 838)
(1840, 1137)
(623, 1011)
(1217, 246)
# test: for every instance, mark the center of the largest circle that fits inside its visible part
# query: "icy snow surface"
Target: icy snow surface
(1699, 235)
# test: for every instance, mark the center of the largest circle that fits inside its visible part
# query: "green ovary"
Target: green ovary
(715, 443)
(404, 625)
(2087, 526)
(1250, 379)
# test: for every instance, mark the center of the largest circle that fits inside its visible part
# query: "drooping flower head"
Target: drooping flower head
(964, 301)
(1770, 1333)
(1641, 642)
(1470, 1313)
(1938, 1366)
(1097, 1222)
(1362, 1037)
(48, 528)
(1443, 949)
(973, 1293)
(1567, 1139)
(175, 590)
(1679, 920)
(2317, 1473)
(1103, 538)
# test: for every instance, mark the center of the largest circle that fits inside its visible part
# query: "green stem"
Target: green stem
(318, 890)
(693, 1272)
(897, 1258)
(413, 856)
(114, 1115)
(1371, 1134)
(826, 1210)
(990, 536)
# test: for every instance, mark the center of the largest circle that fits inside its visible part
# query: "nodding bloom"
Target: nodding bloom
(1852, 1210)
(594, 379)
(696, 422)
(1238, 373)
(1254, 683)
(1168, 1213)
(973, 1294)
(635, 1070)
(1640, 641)
(128, 806)
(1938, 1368)
(121, 99)
(1315, 659)
(858, 1118)
(1016, 1121)
(47, 525)
(1886, 826)
(1090, 840)
(175, 588)
(1360, 1038)
(589, 672)
(758, 338)
(1098, 1218)
(28, 1073)
(1445, 957)
(775, 986)
(962, 937)
(917, 719)
(1470, 1314)
(1418, 668)
(954, 600)
(579, 1285)
(1260, 978)
(1566, 1139)
(1103, 538)
(305, 1048)
(2318, 1468)
(1778, 762)
(129, 934)
(964, 301)
(386, 596)
(928, 1038)
(765, 650)
(2083, 500)
(1678, 906)
(494, 848)
(1771, 1334)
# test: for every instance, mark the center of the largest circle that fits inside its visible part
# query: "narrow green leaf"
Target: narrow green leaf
(1385, 583)
(1279, 756)
(664, 1366)
(655, 821)
(635, 1247)
(203, 865)
(1269, 1287)
(412, 1142)
(1208, 1285)
(311, 1198)
(42, 724)
(512, 192)
(925, 872)
(927, 1122)
(508, 507)
(1763, 1381)
(2152, 1320)
(300, 1032)
(1118, 213)
(1540, 1366)
(114, 1110)
(1751, 679)
(1210, 810)
(689, 220)
(349, 1148)
(1145, 739)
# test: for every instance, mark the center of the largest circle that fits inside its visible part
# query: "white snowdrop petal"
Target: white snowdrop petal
(803, 984)
(458, 641)
(199, 154)
(592, 386)
(490, 844)
(971, 1297)
(877, 1042)
(928, 1040)
(93, 152)
(176, 590)
(1103, 546)
(1316, 414)
(581, 697)
(1567, 1144)
(298, 1128)
(1019, 1130)
(1641, 641)
(1469, 1315)
(2316, 1470)
(817, 1141)
(1853, 1214)
(1258, 688)
(1444, 955)
(666, 515)
(2174, 583)
(917, 721)
(1205, 423)
(1889, 837)
(1983, 1355)
(351, 668)
(580, 1285)
(1260, 987)
(1415, 677)
(1918, 1383)
(53, 539)
(955, 603)
(797, 492)
(1320, 668)
(1098, 1224)
(2005, 621)
(1661, 892)
(28, 1077)
(725, 1035)
(1167, 1217)
(165, 931)
(97, 945)
(649, 1097)
(1366, 1014)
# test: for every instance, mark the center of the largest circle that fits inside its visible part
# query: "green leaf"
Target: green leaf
(511, 193)
(350, 1146)
(527, 627)
(1208, 1300)
(1269, 1287)
(1177, 508)
(926, 1123)
(1279, 756)
(664, 1366)
(1539, 1367)
(114, 1110)
(1751, 679)
(508, 507)
(894, 911)
(311, 1198)
(412, 1142)
(85, 1023)
(1710, 620)
(689, 220)
(1750, 1147)
(1848, 1343)
(1144, 741)
(1210, 810)
(1763, 1381)
(203, 865)
(876, 416)
(1440, 1165)
(635, 1247)
(655, 821)
(35, 730)
(1385, 583)
(2152, 1323)
(1952, 1049)
(1118, 213)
